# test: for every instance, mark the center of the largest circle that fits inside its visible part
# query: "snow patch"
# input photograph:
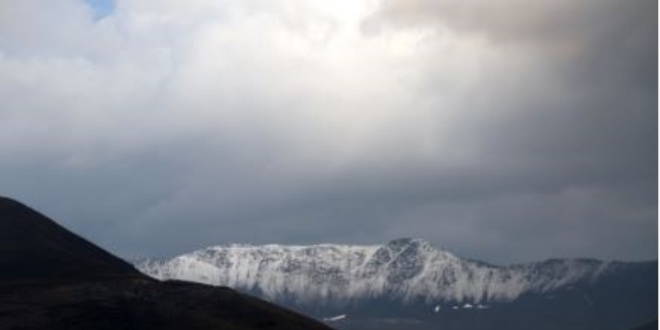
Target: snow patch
(335, 318)
(406, 270)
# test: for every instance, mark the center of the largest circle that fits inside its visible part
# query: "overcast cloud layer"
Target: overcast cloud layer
(501, 130)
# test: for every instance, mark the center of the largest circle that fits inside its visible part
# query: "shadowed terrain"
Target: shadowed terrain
(51, 278)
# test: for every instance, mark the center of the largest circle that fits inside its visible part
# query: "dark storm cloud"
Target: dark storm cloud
(505, 131)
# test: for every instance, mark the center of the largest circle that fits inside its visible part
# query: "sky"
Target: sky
(506, 131)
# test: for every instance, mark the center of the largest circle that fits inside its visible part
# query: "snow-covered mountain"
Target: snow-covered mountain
(405, 270)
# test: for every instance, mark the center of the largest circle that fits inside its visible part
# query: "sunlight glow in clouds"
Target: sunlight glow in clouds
(471, 124)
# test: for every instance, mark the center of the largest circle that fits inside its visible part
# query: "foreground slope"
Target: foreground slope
(33, 247)
(411, 284)
(52, 279)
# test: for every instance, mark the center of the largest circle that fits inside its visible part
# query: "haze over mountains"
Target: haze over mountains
(408, 280)
(52, 279)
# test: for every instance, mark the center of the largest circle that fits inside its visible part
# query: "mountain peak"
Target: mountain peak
(8, 202)
(417, 246)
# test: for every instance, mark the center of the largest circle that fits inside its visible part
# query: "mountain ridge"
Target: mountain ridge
(409, 284)
(409, 269)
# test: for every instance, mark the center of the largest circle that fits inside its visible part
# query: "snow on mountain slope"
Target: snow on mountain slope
(404, 269)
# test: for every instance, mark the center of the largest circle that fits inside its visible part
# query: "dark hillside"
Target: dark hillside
(53, 279)
(33, 247)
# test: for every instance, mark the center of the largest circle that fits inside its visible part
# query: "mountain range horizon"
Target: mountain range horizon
(232, 244)
(411, 279)
(402, 284)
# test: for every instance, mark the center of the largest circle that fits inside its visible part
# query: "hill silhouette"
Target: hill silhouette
(34, 247)
(51, 278)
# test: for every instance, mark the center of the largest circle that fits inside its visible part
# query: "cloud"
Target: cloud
(486, 128)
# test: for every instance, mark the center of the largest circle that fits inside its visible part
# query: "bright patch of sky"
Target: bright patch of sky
(102, 8)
